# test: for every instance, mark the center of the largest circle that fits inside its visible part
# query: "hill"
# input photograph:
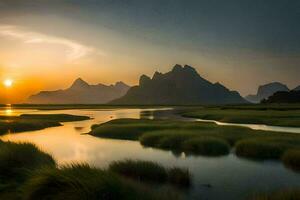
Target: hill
(265, 91)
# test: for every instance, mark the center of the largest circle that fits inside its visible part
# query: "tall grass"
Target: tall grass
(209, 146)
(80, 181)
(17, 162)
(28, 173)
(151, 171)
(266, 147)
(17, 159)
(291, 159)
(291, 194)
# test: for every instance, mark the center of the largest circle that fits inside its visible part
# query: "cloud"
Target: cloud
(75, 50)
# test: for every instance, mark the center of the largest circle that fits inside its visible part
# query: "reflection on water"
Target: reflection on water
(230, 177)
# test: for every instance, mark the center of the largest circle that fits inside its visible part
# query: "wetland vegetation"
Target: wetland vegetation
(28, 173)
(288, 116)
(200, 138)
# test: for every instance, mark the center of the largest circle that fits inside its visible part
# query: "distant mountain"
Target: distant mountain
(297, 88)
(81, 92)
(265, 91)
(181, 86)
(284, 97)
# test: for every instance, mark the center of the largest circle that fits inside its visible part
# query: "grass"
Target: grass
(150, 171)
(80, 181)
(17, 158)
(140, 170)
(292, 194)
(200, 138)
(271, 147)
(210, 146)
(28, 173)
(17, 161)
(32, 122)
(280, 117)
(291, 159)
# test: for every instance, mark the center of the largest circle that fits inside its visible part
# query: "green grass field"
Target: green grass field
(284, 116)
(201, 138)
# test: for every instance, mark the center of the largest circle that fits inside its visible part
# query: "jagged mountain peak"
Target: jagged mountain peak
(177, 67)
(79, 83)
(181, 85)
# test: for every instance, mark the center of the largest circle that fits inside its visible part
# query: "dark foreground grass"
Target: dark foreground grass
(292, 194)
(80, 181)
(284, 117)
(17, 161)
(31, 122)
(150, 171)
(291, 159)
(200, 138)
(28, 173)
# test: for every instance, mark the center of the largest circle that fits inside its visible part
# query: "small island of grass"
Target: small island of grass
(201, 138)
(32, 122)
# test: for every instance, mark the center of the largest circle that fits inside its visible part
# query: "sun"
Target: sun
(8, 83)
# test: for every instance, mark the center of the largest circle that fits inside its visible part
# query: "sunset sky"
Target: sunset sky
(46, 44)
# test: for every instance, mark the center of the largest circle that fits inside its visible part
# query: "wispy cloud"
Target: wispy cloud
(75, 50)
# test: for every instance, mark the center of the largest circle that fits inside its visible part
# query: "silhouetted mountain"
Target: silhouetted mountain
(284, 97)
(81, 92)
(265, 91)
(181, 86)
(297, 88)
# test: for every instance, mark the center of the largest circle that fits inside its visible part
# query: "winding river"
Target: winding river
(230, 177)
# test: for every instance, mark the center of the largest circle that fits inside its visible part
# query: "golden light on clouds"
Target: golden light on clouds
(73, 50)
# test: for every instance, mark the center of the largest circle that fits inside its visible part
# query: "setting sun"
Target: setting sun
(8, 83)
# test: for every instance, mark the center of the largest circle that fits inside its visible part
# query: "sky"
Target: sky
(46, 44)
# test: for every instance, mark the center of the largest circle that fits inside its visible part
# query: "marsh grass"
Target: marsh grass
(208, 146)
(17, 161)
(77, 181)
(152, 172)
(291, 194)
(80, 181)
(28, 173)
(31, 122)
(180, 177)
(266, 147)
(283, 117)
(200, 138)
(291, 159)
(140, 170)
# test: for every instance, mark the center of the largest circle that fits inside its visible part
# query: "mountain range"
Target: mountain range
(81, 92)
(180, 86)
(265, 91)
